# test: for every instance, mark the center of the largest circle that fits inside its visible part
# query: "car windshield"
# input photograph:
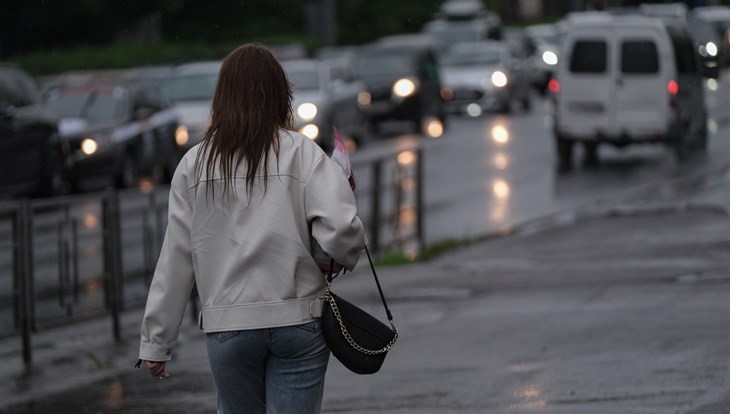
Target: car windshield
(190, 87)
(472, 58)
(702, 31)
(302, 79)
(379, 63)
(94, 104)
(548, 38)
(450, 35)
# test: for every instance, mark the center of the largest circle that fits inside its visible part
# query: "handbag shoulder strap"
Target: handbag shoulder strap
(331, 277)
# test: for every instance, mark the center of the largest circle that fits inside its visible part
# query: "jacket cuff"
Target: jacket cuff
(154, 352)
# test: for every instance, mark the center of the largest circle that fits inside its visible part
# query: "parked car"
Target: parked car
(190, 87)
(123, 130)
(483, 76)
(627, 80)
(30, 146)
(401, 74)
(327, 94)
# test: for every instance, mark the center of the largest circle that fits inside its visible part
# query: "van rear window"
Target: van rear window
(589, 56)
(639, 56)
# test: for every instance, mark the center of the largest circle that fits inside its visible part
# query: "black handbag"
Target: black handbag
(356, 338)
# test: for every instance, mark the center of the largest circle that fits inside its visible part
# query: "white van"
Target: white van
(626, 79)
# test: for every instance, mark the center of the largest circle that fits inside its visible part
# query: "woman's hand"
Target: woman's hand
(157, 369)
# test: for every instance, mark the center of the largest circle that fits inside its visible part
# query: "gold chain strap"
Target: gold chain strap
(349, 338)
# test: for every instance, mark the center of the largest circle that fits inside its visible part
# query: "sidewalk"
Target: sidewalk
(622, 309)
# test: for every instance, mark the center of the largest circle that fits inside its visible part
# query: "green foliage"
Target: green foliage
(443, 246)
(362, 21)
(105, 37)
(125, 55)
(395, 256)
(392, 257)
(113, 56)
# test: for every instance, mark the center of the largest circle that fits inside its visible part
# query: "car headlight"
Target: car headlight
(89, 146)
(711, 48)
(307, 111)
(499, 79)
(310, 131)
(181, 135)
(550, 57)
(364, 98)
(404, 87)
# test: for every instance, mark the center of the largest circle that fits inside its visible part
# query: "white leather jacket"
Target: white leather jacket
(249, 255)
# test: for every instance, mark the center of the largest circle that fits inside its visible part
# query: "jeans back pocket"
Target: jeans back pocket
(224, 336)
(314, 326)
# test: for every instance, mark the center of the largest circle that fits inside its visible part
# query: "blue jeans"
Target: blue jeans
(273, 370)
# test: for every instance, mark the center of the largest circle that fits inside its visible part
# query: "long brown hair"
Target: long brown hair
(252, 101)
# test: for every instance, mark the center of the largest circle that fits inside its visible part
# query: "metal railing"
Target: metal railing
(67, 259)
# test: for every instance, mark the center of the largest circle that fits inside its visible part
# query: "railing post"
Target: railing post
(375, 207)
(23, 252)
(75, 258)
(419, 199)
(113, 259)
(397, 186)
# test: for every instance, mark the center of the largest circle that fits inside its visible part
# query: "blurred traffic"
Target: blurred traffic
(618, 76)
(117, 128)
(327, 94)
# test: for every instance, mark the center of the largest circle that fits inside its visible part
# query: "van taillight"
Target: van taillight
(554, 86)
(672, 87)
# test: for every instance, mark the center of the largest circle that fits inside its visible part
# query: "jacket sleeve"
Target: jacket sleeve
(172, 282)
(330, 207)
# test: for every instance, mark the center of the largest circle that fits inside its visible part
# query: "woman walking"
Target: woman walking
(243, 204)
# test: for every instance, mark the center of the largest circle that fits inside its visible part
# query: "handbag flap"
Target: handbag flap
(360, 323)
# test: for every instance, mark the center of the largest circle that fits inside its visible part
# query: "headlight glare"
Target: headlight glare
(364, 98)
(404, 87)
(711, 48)
(550, 58)
(181, 135)
(499, 79)
(307, 111)
(310, 131)
(89, 146)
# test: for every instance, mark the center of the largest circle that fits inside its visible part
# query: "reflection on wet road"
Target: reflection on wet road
(491, 172)
(131, 393)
